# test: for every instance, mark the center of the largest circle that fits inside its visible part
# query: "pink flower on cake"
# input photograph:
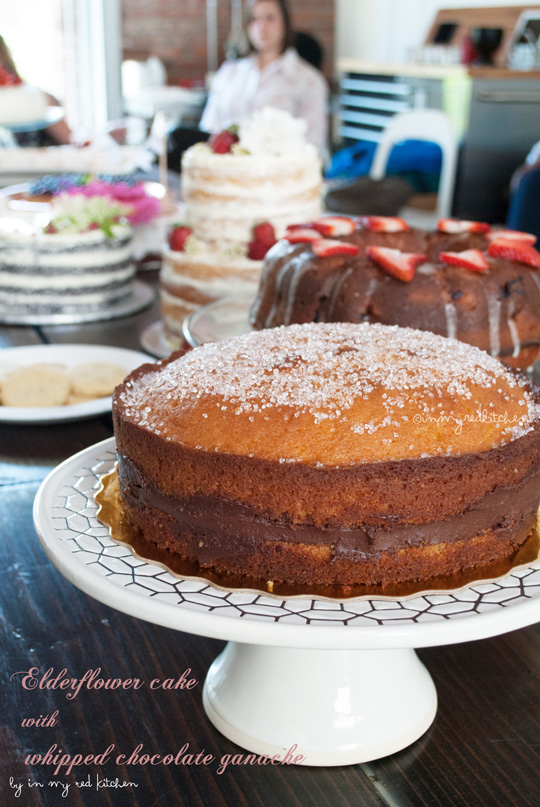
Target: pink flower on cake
(144, 208)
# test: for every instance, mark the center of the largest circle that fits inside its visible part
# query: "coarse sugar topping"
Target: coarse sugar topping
(364, 392)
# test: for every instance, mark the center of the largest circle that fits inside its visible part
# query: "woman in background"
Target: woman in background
(272, 75)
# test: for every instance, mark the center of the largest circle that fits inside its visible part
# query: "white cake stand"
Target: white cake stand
(338, 680)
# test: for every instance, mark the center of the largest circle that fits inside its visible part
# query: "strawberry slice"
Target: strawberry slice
(514, 235)
(472, 259)
(396, 263)
(383, 224)
(222, 142)
(306, 225)
(333, 225)
(265, 234)
(256, 251)
(455, 226)
(178, 236)
(302, 235)
(326, 247)
(514, 250)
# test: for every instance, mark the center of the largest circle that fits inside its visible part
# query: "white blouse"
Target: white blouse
(240, 87)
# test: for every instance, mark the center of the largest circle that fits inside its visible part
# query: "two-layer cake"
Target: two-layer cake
(333, 454)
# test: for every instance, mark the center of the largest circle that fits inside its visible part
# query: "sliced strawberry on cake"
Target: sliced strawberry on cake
(326, 248)
(513, 235)
(455, 226)
(472, 259)
(398, 264)
(302, 235)
(514, 250)
(330, 226)
(383, 224)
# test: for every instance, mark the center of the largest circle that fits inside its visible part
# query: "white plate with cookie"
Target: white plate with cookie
(56, 383)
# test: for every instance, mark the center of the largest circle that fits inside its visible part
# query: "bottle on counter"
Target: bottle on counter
(469, 53)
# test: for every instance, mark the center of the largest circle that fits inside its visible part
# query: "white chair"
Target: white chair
(430, 125)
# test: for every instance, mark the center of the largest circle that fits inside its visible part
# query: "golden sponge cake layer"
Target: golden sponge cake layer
(334, 395)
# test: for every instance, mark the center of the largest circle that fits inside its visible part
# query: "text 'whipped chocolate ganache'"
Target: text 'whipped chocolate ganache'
(332, 454)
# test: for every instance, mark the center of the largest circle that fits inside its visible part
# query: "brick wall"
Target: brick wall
(175, 30)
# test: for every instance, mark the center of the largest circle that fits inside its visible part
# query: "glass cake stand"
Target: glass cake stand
(340, 679)
(154, 340)
(220, 320)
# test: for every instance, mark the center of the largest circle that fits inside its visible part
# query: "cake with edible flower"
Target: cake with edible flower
(80, 261)
(464, 280)
(241, 190)
(152, 212)
(331, 454)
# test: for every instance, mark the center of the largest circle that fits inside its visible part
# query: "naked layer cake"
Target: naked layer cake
(240, 190)
(331, 454)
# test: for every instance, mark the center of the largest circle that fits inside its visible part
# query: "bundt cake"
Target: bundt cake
(463, 280)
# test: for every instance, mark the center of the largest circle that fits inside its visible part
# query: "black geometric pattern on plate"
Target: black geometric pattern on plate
(75, 524)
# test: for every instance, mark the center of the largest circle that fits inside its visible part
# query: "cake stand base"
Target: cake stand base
(334, 707)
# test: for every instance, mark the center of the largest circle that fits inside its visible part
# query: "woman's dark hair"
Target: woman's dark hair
(288, 39)
(309, 49)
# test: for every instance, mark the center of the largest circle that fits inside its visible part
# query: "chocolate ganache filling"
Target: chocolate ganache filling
(230, 529)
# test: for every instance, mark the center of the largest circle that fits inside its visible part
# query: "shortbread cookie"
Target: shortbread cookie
(77, 399)
(95, 379)
(35, 386)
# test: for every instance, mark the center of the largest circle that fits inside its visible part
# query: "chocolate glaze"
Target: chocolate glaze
(229, 529)
(496, 310)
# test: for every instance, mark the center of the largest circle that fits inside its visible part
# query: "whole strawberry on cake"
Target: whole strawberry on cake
(464, 280)
(241, 191)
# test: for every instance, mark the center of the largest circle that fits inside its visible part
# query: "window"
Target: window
(71, 49)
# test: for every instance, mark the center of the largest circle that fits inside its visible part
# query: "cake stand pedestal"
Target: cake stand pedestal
(336, 683)
(335, 707)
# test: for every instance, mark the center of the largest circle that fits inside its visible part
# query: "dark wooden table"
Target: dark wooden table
(483, 749)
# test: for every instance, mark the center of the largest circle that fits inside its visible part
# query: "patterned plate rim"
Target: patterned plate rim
(83, 551)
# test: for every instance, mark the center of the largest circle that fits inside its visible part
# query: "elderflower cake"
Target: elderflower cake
(80, 262)
(464, 280)
(331, 454)
(241, 190)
